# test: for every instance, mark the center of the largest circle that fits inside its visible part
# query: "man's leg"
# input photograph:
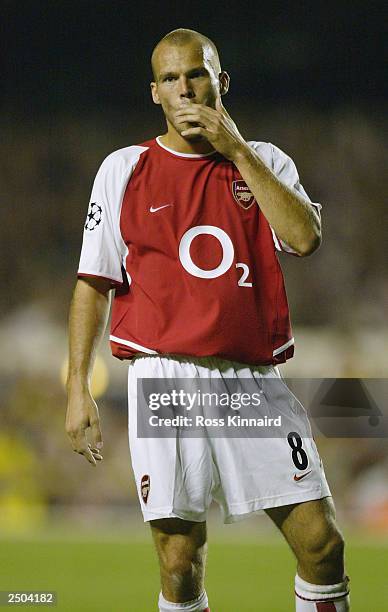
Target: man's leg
(311, 531)
(181, 547)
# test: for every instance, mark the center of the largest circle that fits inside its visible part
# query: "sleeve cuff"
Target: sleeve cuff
(113, 281)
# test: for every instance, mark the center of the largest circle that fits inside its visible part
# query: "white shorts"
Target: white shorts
(180, 476)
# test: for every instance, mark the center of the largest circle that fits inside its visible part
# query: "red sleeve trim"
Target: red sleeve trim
(112, 281)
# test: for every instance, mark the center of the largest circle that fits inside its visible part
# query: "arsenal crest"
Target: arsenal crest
(145, 487)
(242, 194)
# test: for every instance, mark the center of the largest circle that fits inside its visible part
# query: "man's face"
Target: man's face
(184, 75)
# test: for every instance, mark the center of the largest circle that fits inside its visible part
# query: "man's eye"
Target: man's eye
(198, 73)
(169, 79)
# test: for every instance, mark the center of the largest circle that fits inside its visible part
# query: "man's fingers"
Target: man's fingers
(80, 446)
(192, 123)
(86, 452)
(76, 430)
(195, 117)
(96, 435)
(96, 453)
(189, 110)
(196, 110)
(91, 454)
(192, 120)
(195, 130)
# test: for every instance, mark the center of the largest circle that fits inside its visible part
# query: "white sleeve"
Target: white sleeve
(285, 170)
(103, 249)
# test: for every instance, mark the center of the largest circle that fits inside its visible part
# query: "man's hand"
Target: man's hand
(215, 125)
(82, 413)
(87, 321)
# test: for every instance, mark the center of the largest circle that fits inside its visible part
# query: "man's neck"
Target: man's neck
(177, 143)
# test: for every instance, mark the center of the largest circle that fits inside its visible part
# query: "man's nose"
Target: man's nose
(186, 90)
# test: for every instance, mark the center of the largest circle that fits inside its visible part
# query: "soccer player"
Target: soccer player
(186, 227)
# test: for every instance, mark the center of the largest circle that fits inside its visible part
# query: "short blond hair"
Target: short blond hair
(184, 36)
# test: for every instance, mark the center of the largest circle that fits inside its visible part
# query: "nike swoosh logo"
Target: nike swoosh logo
(152, 209)
(297, 478)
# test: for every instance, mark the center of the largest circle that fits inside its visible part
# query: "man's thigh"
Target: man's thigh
(173, 474)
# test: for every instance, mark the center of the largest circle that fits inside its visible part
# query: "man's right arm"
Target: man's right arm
(88, 317)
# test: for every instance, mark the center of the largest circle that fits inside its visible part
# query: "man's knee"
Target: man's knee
(328, 547)
(181, 559)
(323, 554)
(181, 548)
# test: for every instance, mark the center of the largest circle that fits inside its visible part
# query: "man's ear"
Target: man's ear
(154, 92)
(224, 80)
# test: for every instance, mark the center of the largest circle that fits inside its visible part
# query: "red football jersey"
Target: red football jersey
(193, 257)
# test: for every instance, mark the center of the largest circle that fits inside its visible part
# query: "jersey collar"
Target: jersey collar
(189, 155)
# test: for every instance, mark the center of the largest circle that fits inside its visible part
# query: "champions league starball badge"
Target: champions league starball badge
(94, 216)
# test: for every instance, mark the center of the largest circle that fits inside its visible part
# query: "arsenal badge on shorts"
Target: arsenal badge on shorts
(242, 194)
(145, 487)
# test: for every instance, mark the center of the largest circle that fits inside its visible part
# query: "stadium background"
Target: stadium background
(306, 76)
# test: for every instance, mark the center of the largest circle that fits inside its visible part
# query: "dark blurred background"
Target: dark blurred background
(307, 76)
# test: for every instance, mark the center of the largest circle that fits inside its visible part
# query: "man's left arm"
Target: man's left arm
(293, 218)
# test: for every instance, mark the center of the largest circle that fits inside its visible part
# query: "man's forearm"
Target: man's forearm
(293, 219)
(87, 321)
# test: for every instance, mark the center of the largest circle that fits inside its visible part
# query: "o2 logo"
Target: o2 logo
(227, 254)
